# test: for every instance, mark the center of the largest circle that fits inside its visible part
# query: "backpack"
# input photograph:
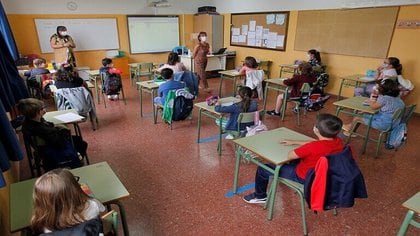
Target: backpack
(315, 102)
(322, 80)
(112, 84)
(397, 136)
(182, 108)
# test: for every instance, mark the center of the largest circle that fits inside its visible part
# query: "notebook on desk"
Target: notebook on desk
(220, 51)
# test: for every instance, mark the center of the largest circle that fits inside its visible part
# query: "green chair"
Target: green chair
(413, 205)
(110, 223)
(134, 67)
(265, 66)
(103, 76)
(304, 91)
(145, 69)
(379, 141)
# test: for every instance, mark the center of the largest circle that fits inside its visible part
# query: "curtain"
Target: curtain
(7, 34)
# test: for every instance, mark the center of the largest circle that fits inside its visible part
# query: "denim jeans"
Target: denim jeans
(262, 177)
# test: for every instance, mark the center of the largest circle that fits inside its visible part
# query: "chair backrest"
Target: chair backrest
(306, 88)
(408, 113)
(102, 75)
(77, 98)
(145, 67)
(110, 223)
(248, 117)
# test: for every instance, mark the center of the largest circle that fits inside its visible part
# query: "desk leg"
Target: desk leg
(234, 86)
(152, 93)
(237, 165)
(265, 96)
(284, 105)
(273, 191)
(367, 134)
(337, 111)
(404, 226)
(219, 146)
(199, 125)
(123, 217)
(141, 101)
(220, 85)
(339, 91)
(97, 90)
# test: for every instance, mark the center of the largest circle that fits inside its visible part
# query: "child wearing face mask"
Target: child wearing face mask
(390, 68)
(201, 50)
(303, 158)
(63, 45)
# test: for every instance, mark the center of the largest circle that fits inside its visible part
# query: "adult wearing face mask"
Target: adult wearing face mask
(63, 45)
(200, 59)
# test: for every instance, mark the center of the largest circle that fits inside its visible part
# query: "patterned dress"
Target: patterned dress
(63, 55)
(200, 62)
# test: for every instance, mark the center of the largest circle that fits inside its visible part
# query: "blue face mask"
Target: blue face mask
(385, 65)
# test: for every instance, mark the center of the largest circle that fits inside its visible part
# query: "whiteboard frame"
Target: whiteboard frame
(151, 16)
(68, 22)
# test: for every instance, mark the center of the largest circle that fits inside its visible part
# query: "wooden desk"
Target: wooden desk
(413, 206)
(266, 145)
(277, 85)
(209, 111)
(288, 68)
(230, 75)
(355, 105)
(353, 81)
(151, 87)
(100, 178)
(93, 75)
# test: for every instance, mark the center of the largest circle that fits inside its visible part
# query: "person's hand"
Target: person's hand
(66, 45)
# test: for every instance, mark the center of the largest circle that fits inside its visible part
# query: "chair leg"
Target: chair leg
(404, 226)
(378, 145)
(302, 205)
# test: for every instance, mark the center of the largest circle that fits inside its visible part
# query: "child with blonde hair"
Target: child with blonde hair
(59, 203)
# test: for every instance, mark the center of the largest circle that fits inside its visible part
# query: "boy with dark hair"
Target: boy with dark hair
(58, 148)
(40, 68)
(169, 85)
(303, 158)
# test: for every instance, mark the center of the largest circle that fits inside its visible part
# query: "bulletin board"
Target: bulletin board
(265, 30)
(358, 32)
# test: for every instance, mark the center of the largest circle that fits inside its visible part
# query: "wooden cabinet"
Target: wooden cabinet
(213, 26)
(122, 64)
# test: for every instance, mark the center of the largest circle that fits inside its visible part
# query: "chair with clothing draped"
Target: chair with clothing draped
(254, 80)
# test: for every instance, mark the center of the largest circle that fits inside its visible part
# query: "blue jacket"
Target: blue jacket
(190, 80)
(341, 179)
(234, 111)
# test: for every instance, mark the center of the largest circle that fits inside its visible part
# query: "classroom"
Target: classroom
(178, 179)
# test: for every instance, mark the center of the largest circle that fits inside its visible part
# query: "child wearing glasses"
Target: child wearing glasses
(59, 203)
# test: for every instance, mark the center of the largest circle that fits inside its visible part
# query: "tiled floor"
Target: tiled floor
(178, 187)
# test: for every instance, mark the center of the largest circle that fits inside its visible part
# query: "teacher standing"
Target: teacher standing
(63, 45)
(200, 59)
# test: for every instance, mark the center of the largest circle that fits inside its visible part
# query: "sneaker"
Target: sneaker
(273, 113)
(229, 136)
(295, 110)
(252, 199)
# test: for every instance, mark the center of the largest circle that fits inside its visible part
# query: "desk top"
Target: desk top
(231, 73)
(293, 66)
(267, 146)
(93, 72)
(101, 179)
(355, 103)
(203, 105)
(150, 84)
(277, 81)
(358, 78)
(50, 116)
(413, 203)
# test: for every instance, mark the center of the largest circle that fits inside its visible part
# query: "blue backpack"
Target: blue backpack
(397, 136)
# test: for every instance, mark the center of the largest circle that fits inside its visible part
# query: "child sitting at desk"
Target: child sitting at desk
(169, 85)
(58, 150)
(303, 158)
(306, 75)
(59, 203)
(245, 105)
(173, 63)
(40, 69)
(391, 68)
(112, 82)
(249, 64)
(388, 101)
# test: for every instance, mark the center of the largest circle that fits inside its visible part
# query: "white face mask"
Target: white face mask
(385, 65)
(63, 33)
(309, 56)
(203, 38)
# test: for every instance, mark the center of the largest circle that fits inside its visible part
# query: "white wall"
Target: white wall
(184, 6)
